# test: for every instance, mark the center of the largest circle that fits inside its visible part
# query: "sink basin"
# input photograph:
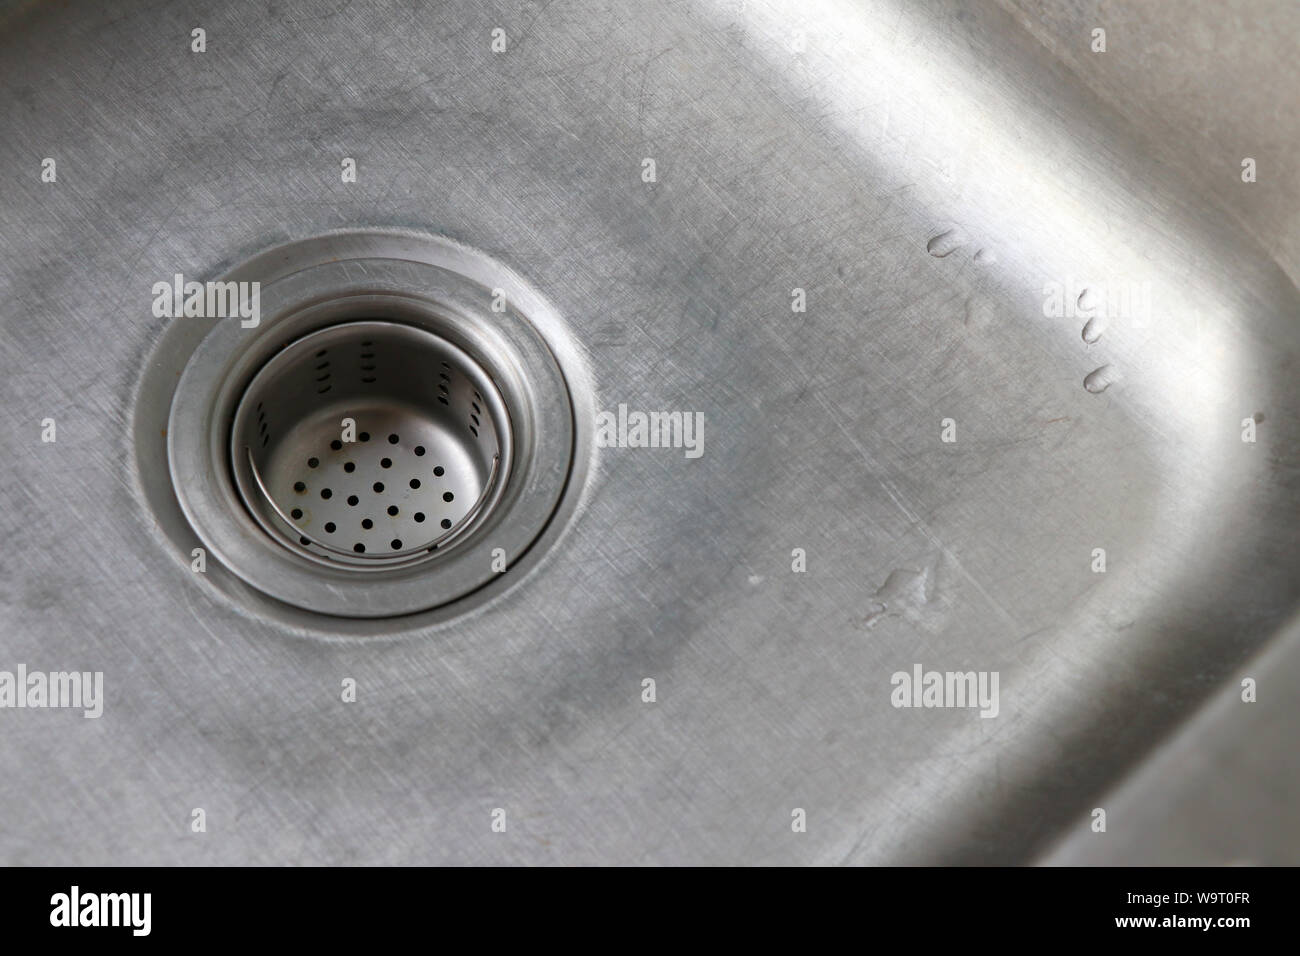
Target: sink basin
(992, 338)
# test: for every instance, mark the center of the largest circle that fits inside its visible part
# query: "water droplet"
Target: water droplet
(946, 243)
(986, 255)
(874, 616)
(1093, 328)
(905, 593)
(1101, 379)
(1086, 304)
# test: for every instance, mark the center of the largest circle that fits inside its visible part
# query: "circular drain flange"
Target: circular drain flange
(384, 441)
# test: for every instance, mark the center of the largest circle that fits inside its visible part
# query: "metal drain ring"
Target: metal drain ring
(426, 290)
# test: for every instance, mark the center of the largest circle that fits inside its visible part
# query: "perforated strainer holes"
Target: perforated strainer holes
(322, 371)
(366, 364)
(423, 500)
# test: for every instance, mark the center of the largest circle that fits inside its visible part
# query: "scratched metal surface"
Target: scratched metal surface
(827, 169)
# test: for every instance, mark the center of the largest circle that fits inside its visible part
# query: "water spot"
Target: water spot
(1093, 328)
(910, 593)
(986, 255)
(1259, 417)
(1099, 380)
(946, 243)
(1086, 304)
(878, 610)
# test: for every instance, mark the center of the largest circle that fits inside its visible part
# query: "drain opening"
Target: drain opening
(471, 410)
(341, 453)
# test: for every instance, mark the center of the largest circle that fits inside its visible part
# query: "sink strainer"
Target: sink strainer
(388, 440)
(370, 443)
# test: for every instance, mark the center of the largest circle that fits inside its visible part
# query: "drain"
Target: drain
(386, 441)
(369, 444)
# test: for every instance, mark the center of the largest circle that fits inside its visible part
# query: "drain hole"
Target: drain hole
(419, 451)
(445, 522)
(393, 439)
(359, 548)
(350, 467)
(313, 462)
(447, 496)
(379, 487)
(385, 463)
(396, 544)
(392, 510)
(336, 444)
(419, 517)
(415, 482)
(353, 500)
(296, 513)
(329, 527)
(326, 494)
(438, 471)
(367, 523)
(299, 487)
(364, 436)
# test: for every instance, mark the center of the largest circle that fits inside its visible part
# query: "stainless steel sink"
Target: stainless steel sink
(994, 338)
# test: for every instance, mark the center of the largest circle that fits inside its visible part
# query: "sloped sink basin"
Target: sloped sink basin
(991, 340)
